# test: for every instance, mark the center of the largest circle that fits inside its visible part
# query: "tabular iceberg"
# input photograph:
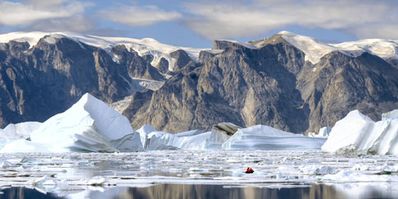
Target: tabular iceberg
(89, 125)
(262, 137)
(358, 133)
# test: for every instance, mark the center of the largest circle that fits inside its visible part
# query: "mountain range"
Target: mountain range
(288, 81)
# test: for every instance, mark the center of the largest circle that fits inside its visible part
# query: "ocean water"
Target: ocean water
(198, 174)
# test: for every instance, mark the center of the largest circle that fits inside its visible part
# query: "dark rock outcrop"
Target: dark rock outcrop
(38, 82)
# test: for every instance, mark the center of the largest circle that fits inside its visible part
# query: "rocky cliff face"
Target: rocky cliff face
(239, 85)
(38, 82)
(261, 82)
(270, 84)
(341, 83)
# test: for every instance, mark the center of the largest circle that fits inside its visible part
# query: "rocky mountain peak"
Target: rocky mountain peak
(288, 81)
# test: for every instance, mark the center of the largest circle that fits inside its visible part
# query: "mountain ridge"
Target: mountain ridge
(269, 81)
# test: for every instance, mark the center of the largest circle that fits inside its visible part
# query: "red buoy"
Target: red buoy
(249, 170)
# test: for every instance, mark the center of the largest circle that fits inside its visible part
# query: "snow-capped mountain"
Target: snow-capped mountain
(287, 81)
(315, 50)
(145, 46)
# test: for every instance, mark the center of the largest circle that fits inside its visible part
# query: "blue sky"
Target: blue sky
(197, 23)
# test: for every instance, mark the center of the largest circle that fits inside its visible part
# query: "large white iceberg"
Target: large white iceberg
(358, 133)
(262, 137)
(89, 125)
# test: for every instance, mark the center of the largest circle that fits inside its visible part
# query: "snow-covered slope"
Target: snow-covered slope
(89, 125)
(383, 48)
(142, 46)
(358, 133)
(315, 50)
(262, 137)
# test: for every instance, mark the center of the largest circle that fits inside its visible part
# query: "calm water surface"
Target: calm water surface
(179, 191)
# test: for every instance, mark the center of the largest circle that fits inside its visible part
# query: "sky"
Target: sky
(196, 23)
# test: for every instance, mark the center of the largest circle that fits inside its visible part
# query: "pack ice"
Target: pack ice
(89, 125)
(358, 133)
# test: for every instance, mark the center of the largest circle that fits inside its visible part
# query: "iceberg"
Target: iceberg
(358, 133)
(324, 132)
(262, 137)
(23, 146)
(390, 115)
(189, 140)
(192, 140)
(18, 131)
(89, 125)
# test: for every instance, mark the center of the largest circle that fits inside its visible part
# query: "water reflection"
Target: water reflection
(19, 193)
(181, 191)
(223, 192)
(175, 191)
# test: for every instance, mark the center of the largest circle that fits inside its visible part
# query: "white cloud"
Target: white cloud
(139, 15)
(236, 19)
(78, 23)
(37, 11)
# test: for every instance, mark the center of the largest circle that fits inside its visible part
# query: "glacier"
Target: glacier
(360, 134)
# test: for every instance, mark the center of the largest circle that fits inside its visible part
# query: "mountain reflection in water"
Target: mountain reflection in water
(187, 191)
